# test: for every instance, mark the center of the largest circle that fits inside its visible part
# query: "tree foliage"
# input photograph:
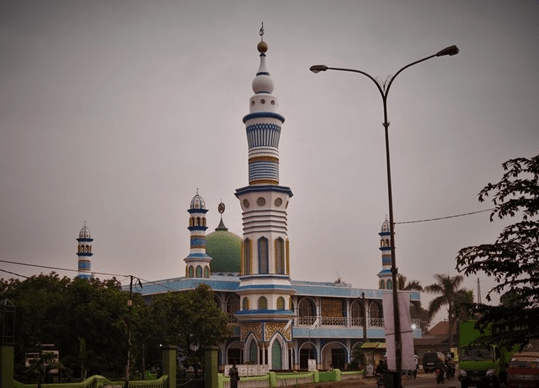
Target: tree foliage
(191, 320)
(87, 320)
(62, 311)
(513, 259)
(450, 295)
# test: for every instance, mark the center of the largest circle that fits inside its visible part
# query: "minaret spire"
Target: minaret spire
(265, 289)
(84, 252)
(197, 264)
(385, 247)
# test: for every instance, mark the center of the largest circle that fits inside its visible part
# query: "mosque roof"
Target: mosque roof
(224, 248)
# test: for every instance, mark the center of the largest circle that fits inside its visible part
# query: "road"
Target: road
(422, 380)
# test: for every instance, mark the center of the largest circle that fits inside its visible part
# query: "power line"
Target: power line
(13, 273)
(445, 218)
(60, 269)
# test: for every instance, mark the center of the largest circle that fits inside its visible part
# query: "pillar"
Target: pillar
(211, 365)
(7, 366)
(169, 360)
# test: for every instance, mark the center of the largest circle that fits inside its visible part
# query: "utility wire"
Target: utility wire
(158, 284)
(60, 269)
(444, 218)
(13, 273)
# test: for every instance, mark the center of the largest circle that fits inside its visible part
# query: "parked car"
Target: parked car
(429, 360)
(523, 370)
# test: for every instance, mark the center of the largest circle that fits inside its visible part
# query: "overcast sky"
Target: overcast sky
(115, 112)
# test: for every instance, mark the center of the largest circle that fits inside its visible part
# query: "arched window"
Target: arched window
(280, 303)
(356, 310)
(247, 256)
(279, 256)
(191, 271)
(306, 312)
(204, 221)
(382, 285)
(253, 351)
(199, 271)
(376, 310)
(191, 222)
(263, 265)
(245, 304)
(206, 272)
(232, 307)
(389, 285)
(198, 221)
(291, 304)
(262, 303)
(287, 257)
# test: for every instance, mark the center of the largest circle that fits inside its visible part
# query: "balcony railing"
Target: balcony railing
(339, 321)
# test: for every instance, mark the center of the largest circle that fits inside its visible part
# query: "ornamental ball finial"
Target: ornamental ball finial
(262, 47)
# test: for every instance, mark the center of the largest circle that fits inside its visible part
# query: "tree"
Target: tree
(65, 312)
(513, 259)
(191, 320)
(448, 288)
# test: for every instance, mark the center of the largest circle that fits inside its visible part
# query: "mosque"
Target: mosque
(278, 322)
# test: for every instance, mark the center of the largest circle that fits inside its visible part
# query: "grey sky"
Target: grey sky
(115, 112)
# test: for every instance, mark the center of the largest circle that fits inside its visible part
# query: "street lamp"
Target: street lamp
(383, 88)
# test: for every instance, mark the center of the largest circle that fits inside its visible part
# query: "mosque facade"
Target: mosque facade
(277, 321)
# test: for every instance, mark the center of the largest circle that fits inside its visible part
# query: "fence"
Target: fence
(101, 382)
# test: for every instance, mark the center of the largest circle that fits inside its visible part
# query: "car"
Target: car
(523, 370)
(429, 360)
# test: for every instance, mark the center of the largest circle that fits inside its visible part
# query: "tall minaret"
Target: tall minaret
(385, 247)
(84, 253)
(265, 288)
(197, 264)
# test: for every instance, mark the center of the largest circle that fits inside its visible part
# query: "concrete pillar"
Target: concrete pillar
(211, 365)
(7, 366)
(169, 360)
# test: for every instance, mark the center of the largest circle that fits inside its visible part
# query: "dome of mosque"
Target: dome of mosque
(197, 202)
(84, 232)
(224, 248)
(385, 226)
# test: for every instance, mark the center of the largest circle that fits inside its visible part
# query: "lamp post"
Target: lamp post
(383, 88)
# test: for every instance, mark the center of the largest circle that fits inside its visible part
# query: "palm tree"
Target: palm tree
(448, 288)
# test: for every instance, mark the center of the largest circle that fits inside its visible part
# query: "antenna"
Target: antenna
(478, 292)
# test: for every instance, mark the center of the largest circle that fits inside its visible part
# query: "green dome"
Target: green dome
(224, 248)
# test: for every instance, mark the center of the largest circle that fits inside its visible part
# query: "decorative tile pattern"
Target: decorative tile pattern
(270, 328)
(248, 328)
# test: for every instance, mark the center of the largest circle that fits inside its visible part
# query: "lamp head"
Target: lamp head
(451, 50)
(318, 68)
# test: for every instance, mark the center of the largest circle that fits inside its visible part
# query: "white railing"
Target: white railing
(376, 322)
(339, 321)
(334, 321)
(306, 320)
(356, 321)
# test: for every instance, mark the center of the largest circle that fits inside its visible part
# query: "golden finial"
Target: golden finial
(262, 46)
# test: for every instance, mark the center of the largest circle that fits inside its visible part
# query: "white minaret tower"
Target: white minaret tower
(84, 252)
(265, 288)
(197, 264)
(385, 247)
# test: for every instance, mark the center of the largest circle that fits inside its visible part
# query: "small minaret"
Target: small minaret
(385, 247)
(84, 253)
(197, 264)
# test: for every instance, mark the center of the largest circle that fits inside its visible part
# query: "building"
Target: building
(277, 321)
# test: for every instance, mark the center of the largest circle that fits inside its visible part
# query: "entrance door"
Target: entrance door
(338, 358)
(276, 356)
